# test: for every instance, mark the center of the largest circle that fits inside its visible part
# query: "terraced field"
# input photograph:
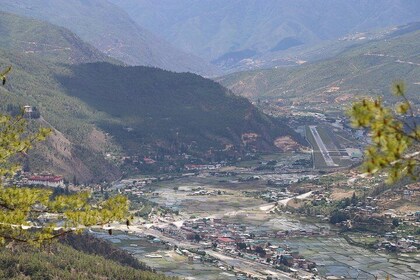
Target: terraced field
(336, 257)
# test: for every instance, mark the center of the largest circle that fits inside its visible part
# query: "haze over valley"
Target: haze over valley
(239, 139)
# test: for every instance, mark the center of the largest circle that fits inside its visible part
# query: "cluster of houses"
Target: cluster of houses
(394, 242)
(175, 161)
(242, 241)
(203, 192)
(198, 167)
(268, 195)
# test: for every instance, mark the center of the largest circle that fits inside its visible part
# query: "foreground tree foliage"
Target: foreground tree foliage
(65, 262)
(395, 136)
(34, 215)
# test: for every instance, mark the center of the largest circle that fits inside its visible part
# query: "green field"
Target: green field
(335, 257)
(171, 263)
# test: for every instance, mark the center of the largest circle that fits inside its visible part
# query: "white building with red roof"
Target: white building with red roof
(46, 180)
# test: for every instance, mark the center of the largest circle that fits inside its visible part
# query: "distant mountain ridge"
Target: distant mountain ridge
(361, 70)
(268, 30)
(111, 30)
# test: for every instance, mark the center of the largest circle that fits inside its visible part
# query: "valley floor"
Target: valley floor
(196, 199)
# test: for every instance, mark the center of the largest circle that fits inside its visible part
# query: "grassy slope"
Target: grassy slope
(353, 71)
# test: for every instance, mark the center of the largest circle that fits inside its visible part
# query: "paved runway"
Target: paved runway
(324, 152)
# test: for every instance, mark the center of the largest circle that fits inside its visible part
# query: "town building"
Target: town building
(46, 180)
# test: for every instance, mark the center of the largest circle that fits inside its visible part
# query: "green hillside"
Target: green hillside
(63, 262)
(71, 150)
(44, 40)
(144, 110)
(152, 109)
(100, 109)
(109, 29)
(368, 69)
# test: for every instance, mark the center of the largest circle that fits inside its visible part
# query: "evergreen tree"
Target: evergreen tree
(395, 136)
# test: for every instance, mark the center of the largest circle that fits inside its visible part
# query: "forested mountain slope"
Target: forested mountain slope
(111, 30)
(99, 109)
(43, 40)
(76, 148)
(38, 51)
(154, 109)
(92, 259)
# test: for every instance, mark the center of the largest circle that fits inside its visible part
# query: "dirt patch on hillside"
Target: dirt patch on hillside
(295, 203)
(286, 144)
(63, 157)
(97, 140)
(338, 194)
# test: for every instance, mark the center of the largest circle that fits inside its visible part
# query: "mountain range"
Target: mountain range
(246, 34)
(109, 29)
(214, 37)
(367, 69)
